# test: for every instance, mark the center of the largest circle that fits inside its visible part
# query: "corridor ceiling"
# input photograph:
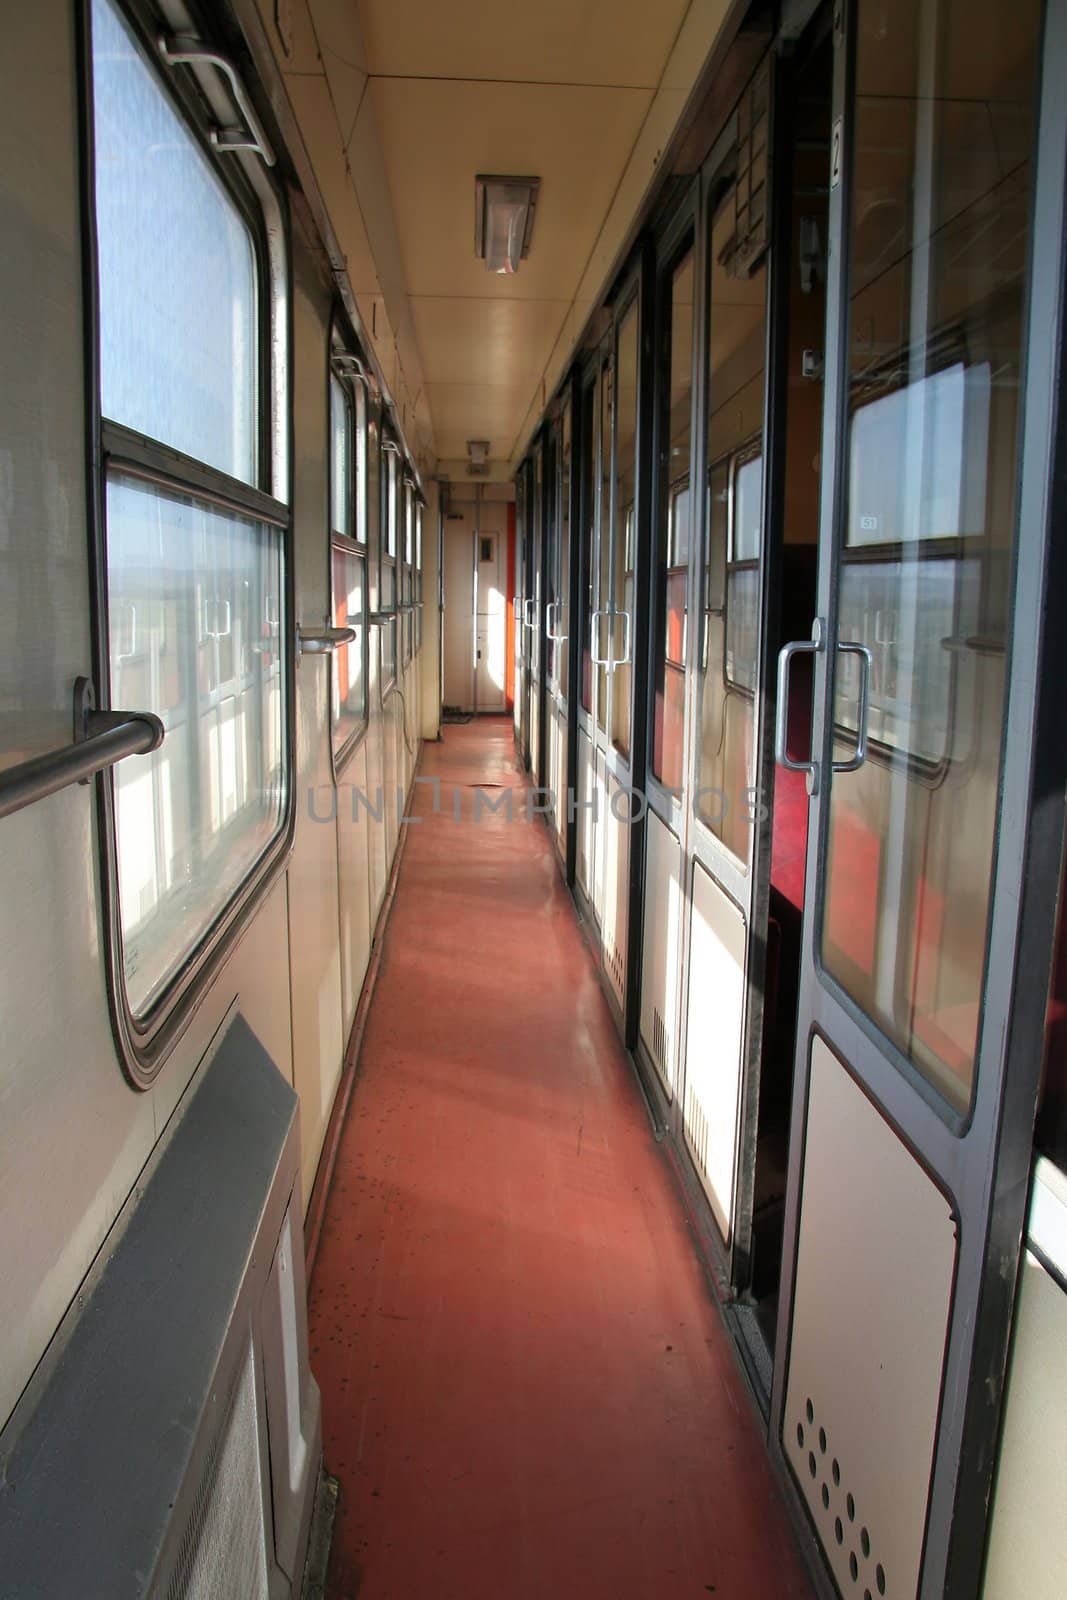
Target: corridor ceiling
(583, 94)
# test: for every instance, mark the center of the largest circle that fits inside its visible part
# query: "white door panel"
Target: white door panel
(875, 1265)
(714, 1023)
(660, 947)
(616, 884)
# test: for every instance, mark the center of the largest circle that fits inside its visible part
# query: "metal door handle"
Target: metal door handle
(594, 639)
(859, 756)
(554, 606)
(527, 604)
(797, 647)
(624, 659)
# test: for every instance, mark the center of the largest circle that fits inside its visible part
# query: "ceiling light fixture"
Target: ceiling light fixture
(503, 220)
(478, 450)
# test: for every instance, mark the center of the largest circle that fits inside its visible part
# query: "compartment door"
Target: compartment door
(911, 909)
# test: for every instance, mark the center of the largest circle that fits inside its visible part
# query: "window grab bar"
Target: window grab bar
(100, 739)
(321, 643)
(181, 48)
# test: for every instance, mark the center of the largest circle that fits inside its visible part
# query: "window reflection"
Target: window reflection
(731, 571)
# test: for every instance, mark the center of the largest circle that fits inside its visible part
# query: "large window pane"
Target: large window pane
(730, 581)
(341, 462)
(176, 267)
(672, 537)
(940, 224)
(194, 601)
(349, 598)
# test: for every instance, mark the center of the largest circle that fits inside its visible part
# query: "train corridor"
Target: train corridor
(527, 1389)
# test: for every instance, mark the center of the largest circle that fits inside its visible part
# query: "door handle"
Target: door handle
(624, 659)
(594, 640)
(526, 605)
(797, 647)
(552, 623)
(859, 755)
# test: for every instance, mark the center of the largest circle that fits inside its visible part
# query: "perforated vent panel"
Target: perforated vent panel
(223, 1552)
(614, 961)
(840, 1518)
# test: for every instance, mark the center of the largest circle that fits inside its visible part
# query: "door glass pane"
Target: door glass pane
(194, 605)
(535, 619)
(730, 580)
(672, 536)
(939, 232)
(602, 632)
(176, 267)
(588, 575)
(621, 633)
(563, 583)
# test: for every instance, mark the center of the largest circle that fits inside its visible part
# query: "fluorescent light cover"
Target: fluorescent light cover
(504, 212)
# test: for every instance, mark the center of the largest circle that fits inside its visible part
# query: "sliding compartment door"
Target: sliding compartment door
(922, 651)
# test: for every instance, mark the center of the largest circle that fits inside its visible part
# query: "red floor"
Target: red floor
(527, 1390)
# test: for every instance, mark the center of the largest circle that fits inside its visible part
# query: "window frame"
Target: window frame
(420, 513)
(406, 556)
(346, 367)
(389, 477)
(144, 1043)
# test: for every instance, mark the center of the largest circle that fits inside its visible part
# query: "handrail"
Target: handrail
(101, 738)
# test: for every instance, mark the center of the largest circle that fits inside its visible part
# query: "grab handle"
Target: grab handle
(859, 756)
(797, 647)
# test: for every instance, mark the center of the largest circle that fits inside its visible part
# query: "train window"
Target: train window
(348, 559)
(419, 510)
(587, 574)
(390, 597)
(672, 539)
(194, 551)
(936, 299)
(730, 580)
(177, 270)
(936, 512)
(625, 528)
(407, 568)
(341, 464)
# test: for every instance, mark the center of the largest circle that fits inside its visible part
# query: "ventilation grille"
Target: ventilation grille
(661, 1044)
(843, 1532)
(696, 1128)
(223, 1550)
(614, 964)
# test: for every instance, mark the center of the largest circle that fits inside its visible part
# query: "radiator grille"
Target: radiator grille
(223, 1551)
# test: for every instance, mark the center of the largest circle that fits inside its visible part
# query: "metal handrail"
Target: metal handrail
(101, 738)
